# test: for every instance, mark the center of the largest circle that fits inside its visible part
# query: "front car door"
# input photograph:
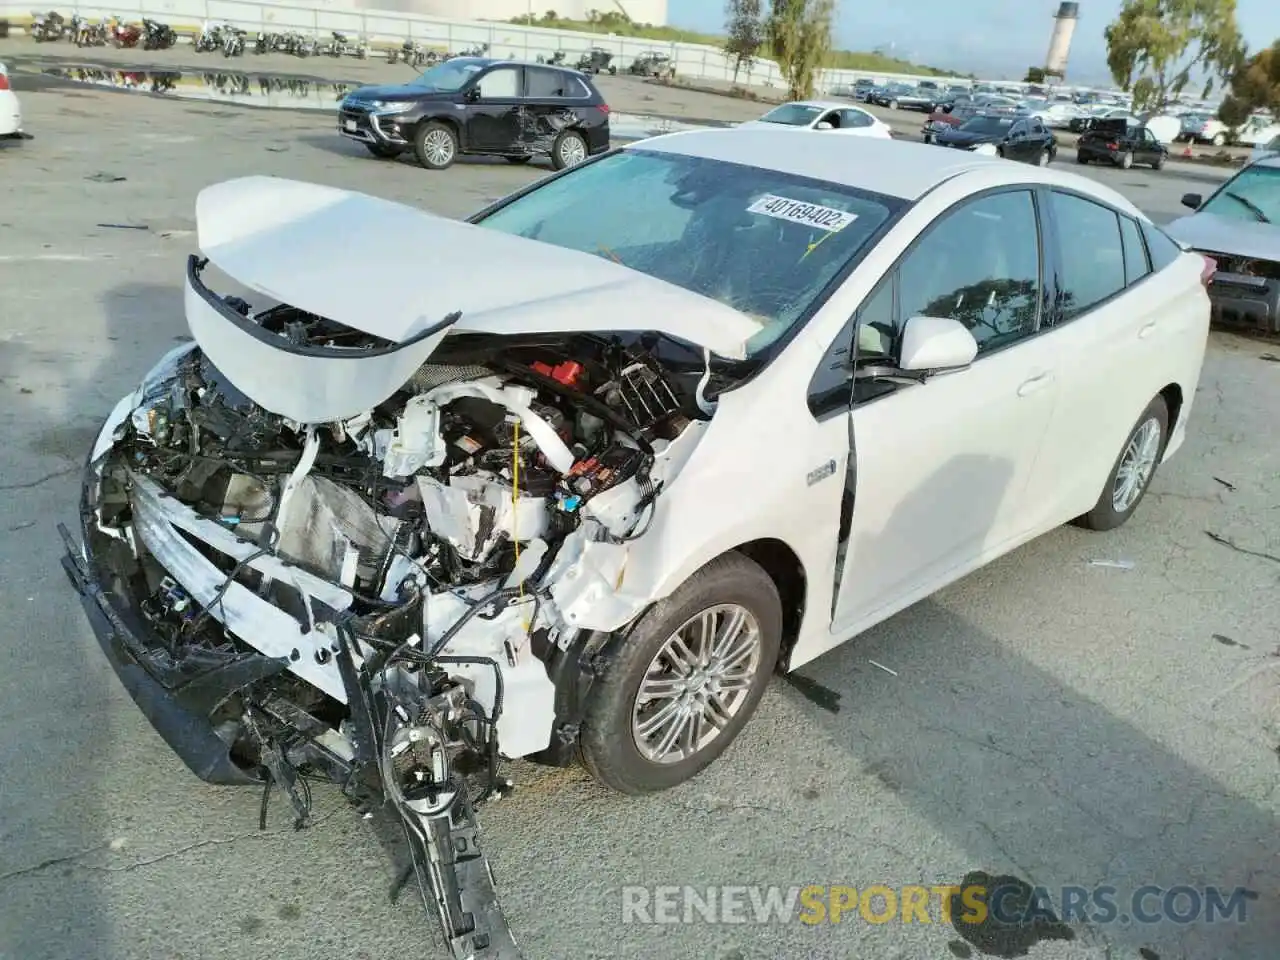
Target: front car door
(853, 120)
(1149, 148)
(493, 112)
(1018, 145)
(941, 465)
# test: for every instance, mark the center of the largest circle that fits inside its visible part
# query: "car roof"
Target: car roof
(897, 168)
(824, 104)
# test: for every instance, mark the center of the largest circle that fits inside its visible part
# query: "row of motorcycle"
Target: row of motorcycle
(416, 55)
(109, 31)
(233, 42)
(226, 84)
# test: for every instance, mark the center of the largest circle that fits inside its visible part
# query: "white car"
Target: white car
(1257, 131)
(385, 534)
(10, 110)
(822, 115)
(1058, 115)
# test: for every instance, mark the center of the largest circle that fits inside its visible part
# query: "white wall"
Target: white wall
(390, 27)
(641, 11)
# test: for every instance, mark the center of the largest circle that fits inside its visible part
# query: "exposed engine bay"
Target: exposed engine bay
(374, 600)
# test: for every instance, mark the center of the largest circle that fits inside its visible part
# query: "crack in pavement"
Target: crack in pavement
(75, 858)
(35, 483)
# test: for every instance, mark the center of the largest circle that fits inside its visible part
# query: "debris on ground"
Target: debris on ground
(124, 226)
(1113, 564)
(881, 666)
(1227, 542)
(1228, 642)
(105, 178)
(1226, 483)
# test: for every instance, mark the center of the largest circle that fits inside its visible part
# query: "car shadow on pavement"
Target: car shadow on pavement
(343, 147)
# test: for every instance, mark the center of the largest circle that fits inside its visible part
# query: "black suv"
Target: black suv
(478, 105)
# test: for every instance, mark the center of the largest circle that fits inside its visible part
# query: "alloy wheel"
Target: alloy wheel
(572, 151)
(1136, 465)
(698, 681)
(438, 146)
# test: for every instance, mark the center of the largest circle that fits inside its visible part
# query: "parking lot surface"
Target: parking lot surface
(1048, 718)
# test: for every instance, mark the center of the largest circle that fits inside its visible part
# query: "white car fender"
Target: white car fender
(756, 497)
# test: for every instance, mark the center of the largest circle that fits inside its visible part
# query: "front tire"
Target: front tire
(435, 144)
(1044, 159)
(1081, 158)
(1126, 160)
(1133, 472)
(569, 150)
(1159, 164)
(685, 680)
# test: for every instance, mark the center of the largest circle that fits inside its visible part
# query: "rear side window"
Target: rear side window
(1136, 265)
(1091, 253)
(1163, 250)
(547, 84)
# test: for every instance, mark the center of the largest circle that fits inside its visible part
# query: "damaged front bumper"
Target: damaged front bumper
(386, 754)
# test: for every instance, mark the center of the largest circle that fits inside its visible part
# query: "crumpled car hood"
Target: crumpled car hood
(391, 270)
(1214, 234)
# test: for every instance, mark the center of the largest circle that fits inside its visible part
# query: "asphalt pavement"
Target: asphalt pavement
(1048, 718)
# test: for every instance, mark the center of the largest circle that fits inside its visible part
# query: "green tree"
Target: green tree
(799, 33)
(1154, 47)
(744, 30)
(1254, 86)
(1034, 75)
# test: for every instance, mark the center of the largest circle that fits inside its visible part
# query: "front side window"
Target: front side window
(1092, 253)
(450, 76)
(792, 115)
(1252, 195)
(762, 242)
(502, 83)
(980, 265)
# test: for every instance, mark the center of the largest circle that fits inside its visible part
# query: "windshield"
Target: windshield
(762, 242)
(1252, 195)
(450, 76)
(987, 125)
(792, 114)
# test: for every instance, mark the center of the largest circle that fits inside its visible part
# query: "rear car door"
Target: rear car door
(1103, 327)
(493, 115)
(941, 465)
(545, 110)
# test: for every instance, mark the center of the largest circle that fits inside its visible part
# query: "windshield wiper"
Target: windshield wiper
(1250, 205)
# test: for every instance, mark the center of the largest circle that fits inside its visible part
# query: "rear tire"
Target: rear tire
(1081, 158)
(1126, 160)
(1140, 455)
(435, 144)
(569, 150)
(609, 743)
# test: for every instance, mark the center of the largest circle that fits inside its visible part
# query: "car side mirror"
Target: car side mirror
(472, 95)
(1192, 200)
(936, 343)
(824, 125)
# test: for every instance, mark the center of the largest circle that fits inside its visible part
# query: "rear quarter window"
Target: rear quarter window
(1162, 248)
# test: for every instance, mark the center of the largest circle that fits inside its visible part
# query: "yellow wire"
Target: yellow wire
(515, 504)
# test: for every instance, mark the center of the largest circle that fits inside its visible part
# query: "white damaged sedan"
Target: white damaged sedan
(575, 477)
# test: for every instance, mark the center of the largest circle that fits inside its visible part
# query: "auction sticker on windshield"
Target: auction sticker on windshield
(797, 211)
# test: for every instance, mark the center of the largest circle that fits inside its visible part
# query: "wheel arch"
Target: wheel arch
(1173, 399)
(784, 567)
(459, 130)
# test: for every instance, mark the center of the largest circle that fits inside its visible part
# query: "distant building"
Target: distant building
(641, 11)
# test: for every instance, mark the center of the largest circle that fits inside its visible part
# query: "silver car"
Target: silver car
(1238, 226)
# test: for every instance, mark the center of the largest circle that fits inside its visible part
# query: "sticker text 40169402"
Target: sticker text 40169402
(807, 214)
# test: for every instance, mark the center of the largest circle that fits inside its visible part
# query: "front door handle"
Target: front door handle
(1033, 384)
(1146, 330)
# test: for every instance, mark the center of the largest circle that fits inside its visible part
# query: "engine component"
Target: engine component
(474, 514)
(647, 397)
(416, 442)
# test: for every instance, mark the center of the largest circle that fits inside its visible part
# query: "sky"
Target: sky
(1000, 37)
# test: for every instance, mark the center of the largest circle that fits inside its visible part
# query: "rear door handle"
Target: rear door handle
(1035, 383)
(1146, 329)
